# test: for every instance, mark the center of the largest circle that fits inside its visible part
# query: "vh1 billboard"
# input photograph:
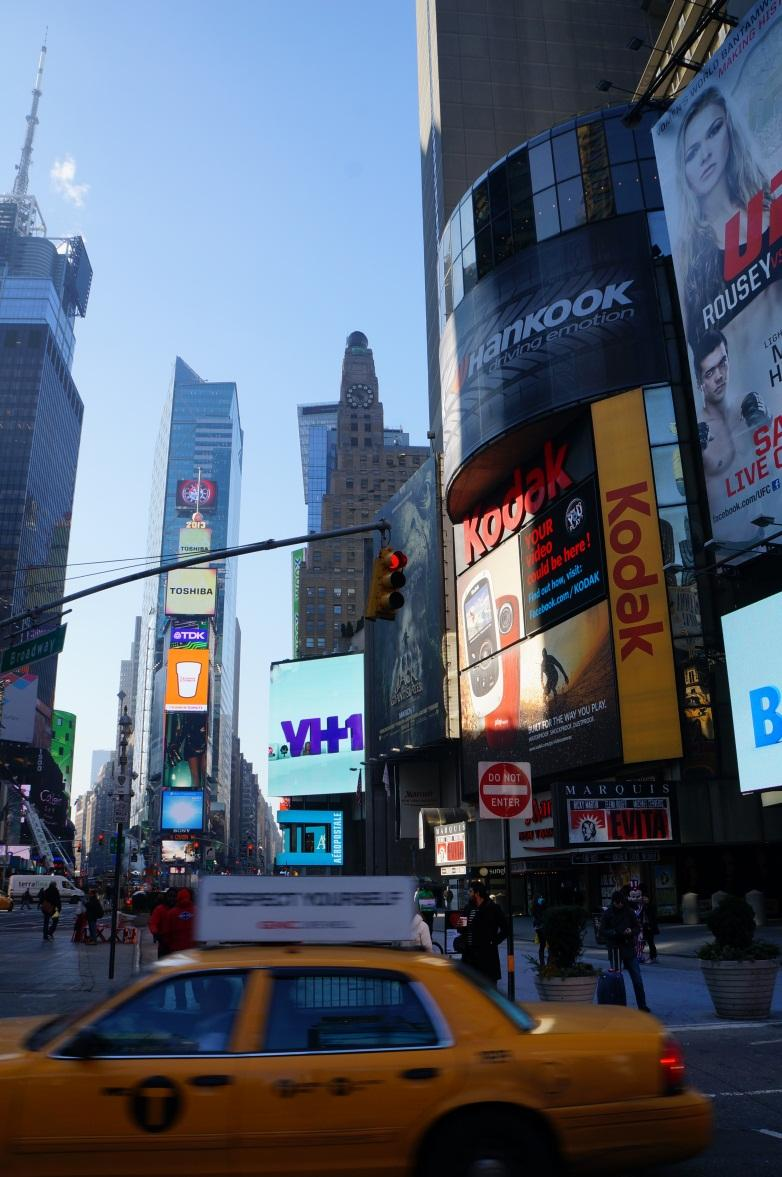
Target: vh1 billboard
(719, 153)
(316, 725)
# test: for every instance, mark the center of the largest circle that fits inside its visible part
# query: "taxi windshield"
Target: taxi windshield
(520, 1018)
(41, 1036)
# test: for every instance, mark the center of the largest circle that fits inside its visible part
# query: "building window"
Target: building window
(337, 610)
(354, 443)
(367, 443)
(337, 590)
(348, 484)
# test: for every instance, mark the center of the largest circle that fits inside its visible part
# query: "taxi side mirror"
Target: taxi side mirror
(87, 1044)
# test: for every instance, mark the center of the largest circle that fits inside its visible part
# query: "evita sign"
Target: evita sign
(613, 811)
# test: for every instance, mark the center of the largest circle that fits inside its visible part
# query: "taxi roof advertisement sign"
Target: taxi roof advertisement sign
(305, 910)
(719, 154)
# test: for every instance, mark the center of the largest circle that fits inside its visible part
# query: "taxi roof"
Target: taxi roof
(307, 955)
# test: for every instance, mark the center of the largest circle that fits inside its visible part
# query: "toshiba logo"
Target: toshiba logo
(190, 591)
(628, 508)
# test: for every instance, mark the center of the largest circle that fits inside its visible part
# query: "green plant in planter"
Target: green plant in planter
(732, 924)
(563, 928)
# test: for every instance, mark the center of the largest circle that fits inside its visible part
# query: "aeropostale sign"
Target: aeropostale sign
(639, 601)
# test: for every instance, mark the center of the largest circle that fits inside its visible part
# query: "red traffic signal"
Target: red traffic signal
(388, 578)
(101, 839)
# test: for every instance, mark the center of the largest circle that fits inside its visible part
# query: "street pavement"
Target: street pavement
(57, 976)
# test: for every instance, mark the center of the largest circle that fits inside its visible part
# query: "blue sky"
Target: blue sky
(247, 179)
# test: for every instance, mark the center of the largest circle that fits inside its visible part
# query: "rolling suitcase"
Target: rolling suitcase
(611, 985)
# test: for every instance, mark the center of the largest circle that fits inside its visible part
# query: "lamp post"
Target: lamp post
(121, 817)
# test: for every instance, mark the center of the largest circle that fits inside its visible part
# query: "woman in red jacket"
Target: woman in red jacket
(178, 923)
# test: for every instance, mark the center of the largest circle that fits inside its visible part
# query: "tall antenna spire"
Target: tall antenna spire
(29, 219)
(22, 181)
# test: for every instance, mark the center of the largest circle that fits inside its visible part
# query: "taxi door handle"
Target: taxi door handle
(416, 1074)
(210, 1080)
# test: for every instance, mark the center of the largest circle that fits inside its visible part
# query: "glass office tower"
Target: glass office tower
(44, 286)
(200, 430)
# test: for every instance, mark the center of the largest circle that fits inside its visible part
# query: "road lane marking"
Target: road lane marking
(768, 1132)
(733, 1094)
(765, 1041)
(724, 1026)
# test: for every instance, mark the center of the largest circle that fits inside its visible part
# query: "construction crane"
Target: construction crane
(48, 845)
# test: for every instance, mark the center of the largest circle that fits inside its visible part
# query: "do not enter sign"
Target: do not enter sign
(505, 789)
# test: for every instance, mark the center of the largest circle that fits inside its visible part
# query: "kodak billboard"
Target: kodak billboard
(637, 592)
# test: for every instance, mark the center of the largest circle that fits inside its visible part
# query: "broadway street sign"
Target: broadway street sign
(35, 650)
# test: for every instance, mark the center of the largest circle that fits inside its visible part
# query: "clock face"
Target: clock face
(359, 396)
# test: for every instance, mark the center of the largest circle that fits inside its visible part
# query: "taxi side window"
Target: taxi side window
(316, 1010)
(191, 1014)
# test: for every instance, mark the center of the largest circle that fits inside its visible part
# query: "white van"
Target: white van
(32, 884)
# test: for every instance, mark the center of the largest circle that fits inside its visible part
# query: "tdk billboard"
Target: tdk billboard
(753, 639)
(316, 726)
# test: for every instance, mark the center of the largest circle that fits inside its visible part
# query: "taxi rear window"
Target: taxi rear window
(333, 1010)
(520, 1018)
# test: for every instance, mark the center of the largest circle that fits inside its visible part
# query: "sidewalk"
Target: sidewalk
(50, 977)
(675, 990)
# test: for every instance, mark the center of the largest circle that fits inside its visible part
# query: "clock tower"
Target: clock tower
(360, 414)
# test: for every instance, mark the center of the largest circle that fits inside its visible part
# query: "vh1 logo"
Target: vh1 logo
(764, 704)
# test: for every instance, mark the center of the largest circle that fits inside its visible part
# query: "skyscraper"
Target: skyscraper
(491, 76)
(360, 466)
(199, 445)
(44, 286)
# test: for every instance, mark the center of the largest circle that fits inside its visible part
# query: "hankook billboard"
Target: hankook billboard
(719, 152)
(559, 324)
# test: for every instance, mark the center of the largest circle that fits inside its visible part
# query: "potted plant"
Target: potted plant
(564, 977)
(739, 971)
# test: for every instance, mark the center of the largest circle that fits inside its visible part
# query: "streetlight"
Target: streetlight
(121, 816)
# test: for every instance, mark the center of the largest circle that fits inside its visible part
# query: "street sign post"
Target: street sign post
(121, 810)
(505, 791)
(34, 650)
(454, 870)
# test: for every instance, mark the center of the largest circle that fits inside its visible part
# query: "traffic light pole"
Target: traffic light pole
(266, 545)
(115, 900)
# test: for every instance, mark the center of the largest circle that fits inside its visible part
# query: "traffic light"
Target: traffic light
(250, 848)
(388, 578)
(101, 839)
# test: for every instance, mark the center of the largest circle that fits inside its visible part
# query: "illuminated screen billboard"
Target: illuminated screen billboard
(187, 680)
(557, 697)
(193, 540)
(311, 837)
(753, 639)
(719, 154)
(316, 725)
(194, 494)
(182, 811)
(173, 851)
(186, 739)
(193, 636)
(191, 592)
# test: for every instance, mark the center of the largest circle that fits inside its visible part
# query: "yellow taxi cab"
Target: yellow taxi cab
(6, 902)
(337, 1059)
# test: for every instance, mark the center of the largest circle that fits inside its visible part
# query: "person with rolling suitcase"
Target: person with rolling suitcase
(611, 985)
(619, 927)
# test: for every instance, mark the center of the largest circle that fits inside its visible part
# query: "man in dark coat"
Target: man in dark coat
(619, 928)
(51, 906)
(486, 928)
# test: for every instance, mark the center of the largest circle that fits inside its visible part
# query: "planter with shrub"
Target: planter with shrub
(740, 972)
(564, 976)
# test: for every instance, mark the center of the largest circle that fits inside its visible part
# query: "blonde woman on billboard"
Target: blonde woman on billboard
(718, 175)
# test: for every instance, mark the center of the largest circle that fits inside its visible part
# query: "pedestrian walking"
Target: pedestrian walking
(650, 925)
(156, 920)
(420, 934)
(619, 928)
(538, 913)
(178, 923)
(51, 906)
(486, 928)
(27, 901)
(93, 911)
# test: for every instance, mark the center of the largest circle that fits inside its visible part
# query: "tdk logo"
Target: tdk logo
(764, 704)
(309, 737)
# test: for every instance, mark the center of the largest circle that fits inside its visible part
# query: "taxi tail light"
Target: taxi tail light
(672, 1067)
